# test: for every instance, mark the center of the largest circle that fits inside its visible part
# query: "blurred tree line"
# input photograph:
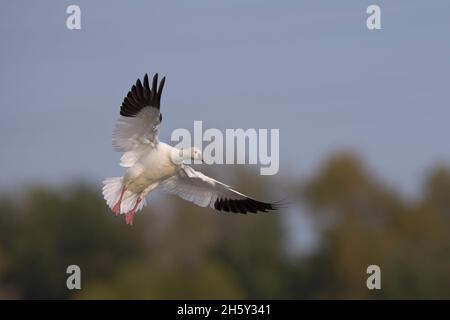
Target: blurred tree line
(181, 251)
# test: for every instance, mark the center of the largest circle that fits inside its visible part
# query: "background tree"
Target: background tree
(176, 250)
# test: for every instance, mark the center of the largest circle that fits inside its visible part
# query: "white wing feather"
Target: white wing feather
(195, 187)
(134, 135)
(134, 132)
(204, 191)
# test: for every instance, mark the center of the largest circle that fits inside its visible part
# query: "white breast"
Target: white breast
(151, 168)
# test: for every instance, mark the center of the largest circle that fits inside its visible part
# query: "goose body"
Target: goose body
(153, 164)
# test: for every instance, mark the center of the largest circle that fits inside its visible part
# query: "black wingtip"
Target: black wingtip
(161, 87)
(155, 86)
(146, 81)
(244, 206)
(281, 204)
(141, 96)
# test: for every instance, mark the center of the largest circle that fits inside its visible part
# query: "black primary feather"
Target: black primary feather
(141, 96)
(243, 205)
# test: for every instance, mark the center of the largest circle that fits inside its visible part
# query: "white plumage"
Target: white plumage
(153, 164)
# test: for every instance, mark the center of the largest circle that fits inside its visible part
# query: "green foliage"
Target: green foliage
(176, 250)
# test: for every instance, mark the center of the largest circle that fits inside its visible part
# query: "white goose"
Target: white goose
(153, 164)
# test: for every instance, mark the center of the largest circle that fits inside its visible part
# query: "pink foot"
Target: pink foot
(130, 214)
(116, 208)
(129, 218)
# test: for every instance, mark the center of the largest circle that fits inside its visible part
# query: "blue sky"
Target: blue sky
(310, 68)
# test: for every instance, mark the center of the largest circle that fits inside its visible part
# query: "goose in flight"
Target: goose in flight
(152, 163)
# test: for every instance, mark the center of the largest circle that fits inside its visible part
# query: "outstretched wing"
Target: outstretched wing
(204, 191)
(140, 117)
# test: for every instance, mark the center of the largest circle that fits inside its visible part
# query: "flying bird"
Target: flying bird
(154, 164)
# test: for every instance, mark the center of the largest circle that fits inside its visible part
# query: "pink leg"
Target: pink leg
(130, 215)
(116, 208)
